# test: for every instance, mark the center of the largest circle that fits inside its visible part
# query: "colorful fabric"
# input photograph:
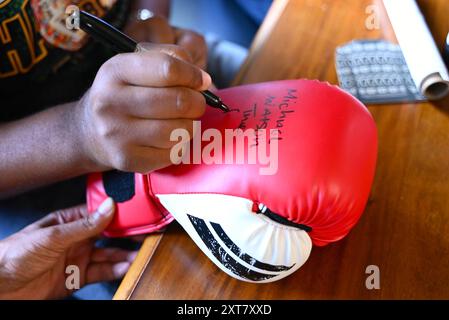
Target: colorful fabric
(42, 66)
(51, 18)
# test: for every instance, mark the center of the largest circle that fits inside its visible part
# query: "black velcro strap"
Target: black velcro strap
(277, 218)
(119, 185)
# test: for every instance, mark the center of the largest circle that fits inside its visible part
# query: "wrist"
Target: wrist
(81, 137)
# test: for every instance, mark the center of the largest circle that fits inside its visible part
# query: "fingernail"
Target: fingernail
(105, 208)
(132, 256)
(207, 80)
(120, 269)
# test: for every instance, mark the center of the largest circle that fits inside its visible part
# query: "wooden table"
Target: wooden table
(405, 227)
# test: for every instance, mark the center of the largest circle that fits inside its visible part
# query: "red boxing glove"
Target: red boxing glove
(256, 220)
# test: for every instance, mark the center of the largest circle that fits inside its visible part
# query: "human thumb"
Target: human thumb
(84, 228)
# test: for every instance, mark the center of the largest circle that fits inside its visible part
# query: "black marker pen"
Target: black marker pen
(103, 32)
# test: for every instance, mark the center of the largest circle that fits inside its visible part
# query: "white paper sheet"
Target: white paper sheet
(418, 46)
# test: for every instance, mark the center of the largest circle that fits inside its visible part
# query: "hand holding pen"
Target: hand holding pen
(125, 120)
(120, 42)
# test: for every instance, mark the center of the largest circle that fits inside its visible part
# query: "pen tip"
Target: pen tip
(224, 107)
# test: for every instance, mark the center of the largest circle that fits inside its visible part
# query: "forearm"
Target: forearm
(159, 7)
(41, 149)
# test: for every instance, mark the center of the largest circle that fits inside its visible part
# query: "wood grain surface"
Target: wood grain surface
(405, 227)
